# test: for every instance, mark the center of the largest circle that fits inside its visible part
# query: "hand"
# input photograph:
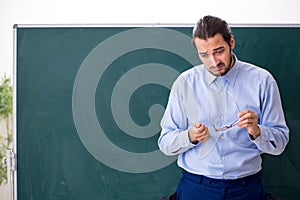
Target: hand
(198, 133)
(248, 119)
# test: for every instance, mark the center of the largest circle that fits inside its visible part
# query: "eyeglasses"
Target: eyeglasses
(224, 128)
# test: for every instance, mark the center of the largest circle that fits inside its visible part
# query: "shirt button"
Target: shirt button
(223, 158)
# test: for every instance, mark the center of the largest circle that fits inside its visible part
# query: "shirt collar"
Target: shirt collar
(209, 77)
(230, 76)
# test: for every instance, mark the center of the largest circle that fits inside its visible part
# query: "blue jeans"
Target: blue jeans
(196, 187)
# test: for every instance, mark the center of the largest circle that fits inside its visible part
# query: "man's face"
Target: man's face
(215, 54)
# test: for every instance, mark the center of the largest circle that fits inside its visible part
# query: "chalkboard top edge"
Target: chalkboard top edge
(142, 25)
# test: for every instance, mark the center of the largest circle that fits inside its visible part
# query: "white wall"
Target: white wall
(135, 11)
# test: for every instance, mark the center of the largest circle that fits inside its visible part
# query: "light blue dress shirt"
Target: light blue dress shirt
(228, 154)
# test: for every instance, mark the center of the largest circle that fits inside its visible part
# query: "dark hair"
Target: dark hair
(209, 26)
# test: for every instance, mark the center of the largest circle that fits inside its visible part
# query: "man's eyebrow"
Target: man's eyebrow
(203, 53)
(216, 49)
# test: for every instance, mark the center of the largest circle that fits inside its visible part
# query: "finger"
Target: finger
(201, 129)
(248, 122)
(240, 114)
(250, 116)
(204, 138)
(197, 125)
(201, 136)
(245, 113)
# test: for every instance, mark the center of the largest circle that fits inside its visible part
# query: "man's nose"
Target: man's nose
(213, 61)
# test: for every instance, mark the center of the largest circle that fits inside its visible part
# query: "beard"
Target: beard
(221, 69)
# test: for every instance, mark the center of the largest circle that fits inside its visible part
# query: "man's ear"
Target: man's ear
(232, 42)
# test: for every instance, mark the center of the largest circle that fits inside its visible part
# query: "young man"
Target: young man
(221, 116)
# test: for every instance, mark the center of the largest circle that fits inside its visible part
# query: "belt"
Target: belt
(221, 182)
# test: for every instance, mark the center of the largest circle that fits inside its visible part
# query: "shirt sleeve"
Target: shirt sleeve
(274, 133)
(174, 137)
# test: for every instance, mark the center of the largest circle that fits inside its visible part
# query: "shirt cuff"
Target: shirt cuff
(262, 138)
(184, 139)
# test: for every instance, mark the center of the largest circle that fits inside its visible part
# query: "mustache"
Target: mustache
(217, 66)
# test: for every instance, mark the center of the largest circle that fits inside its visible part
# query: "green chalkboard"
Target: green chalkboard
(90, 99)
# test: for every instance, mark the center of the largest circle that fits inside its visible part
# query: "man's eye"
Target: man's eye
(204, 55)
(219, 51)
